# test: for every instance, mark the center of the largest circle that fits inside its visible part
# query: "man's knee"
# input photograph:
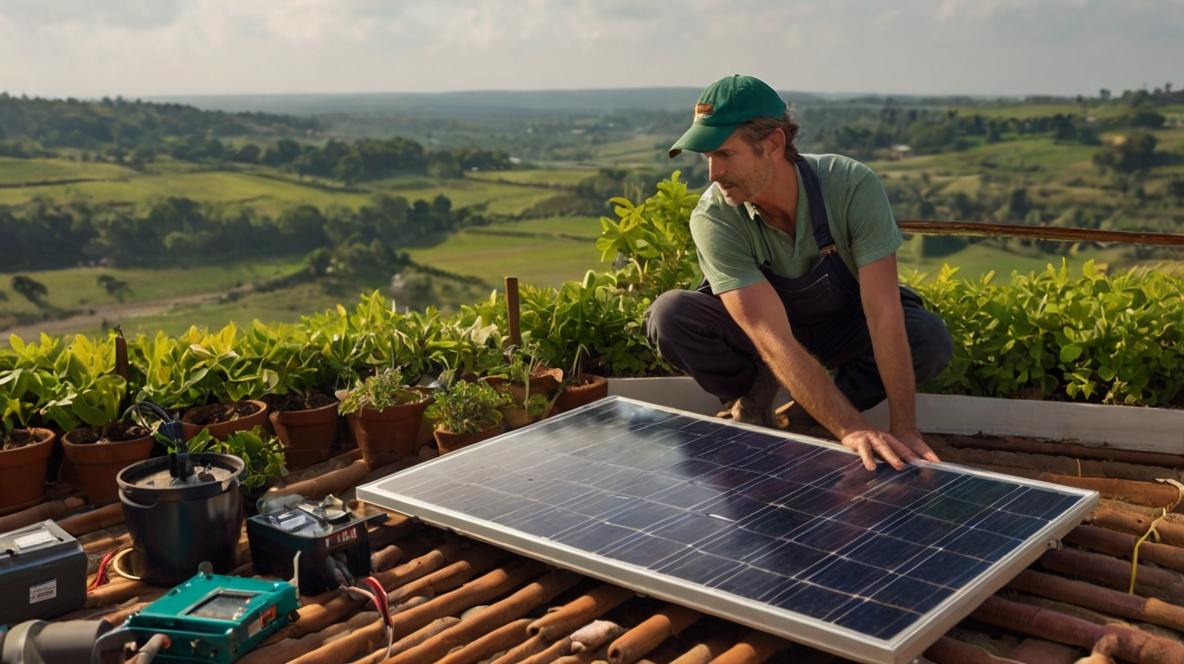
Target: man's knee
(669, 314)
(930, 343)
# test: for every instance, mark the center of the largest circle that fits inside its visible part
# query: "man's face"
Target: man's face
(740, 171)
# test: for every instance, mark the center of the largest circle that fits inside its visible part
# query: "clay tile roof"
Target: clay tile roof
(455, 600)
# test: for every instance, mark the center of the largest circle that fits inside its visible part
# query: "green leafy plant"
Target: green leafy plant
(468, 407)
(1092, 338)
(655, 239)
(379, 392)
(262, 454)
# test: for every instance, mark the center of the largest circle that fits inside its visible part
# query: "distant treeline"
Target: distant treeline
(932, 131)
(180, 231)
(341, 160)
(31, 127)
(134, 133)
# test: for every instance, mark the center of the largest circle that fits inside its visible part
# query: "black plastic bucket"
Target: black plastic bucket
(176, 525)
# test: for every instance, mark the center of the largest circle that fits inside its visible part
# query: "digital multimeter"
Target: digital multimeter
(216, 618)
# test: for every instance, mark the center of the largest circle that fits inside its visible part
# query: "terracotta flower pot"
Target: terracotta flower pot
(451, 442)
(594, 387)
(517, 416)
(307, 435)
(221, 430)
(387, 435)
(97, 464)
(22, 471)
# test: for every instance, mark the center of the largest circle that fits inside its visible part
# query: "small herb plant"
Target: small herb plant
(379, 392)
(468, 407)
(262, 454)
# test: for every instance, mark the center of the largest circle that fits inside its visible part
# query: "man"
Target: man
(799, 255)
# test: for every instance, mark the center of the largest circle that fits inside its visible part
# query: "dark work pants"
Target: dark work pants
(695, 333)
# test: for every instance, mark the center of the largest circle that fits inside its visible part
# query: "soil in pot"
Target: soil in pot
(447, 441)
(24, 461)
(306, 426)
(584, 390)
(388, 435)
(99, 453)
(223, 419)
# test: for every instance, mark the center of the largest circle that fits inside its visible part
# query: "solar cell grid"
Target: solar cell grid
(786, 534)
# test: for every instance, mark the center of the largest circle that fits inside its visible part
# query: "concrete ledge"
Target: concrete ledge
(1126, 427)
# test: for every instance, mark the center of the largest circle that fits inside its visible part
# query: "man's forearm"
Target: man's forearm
(890, 344)
(759, 312)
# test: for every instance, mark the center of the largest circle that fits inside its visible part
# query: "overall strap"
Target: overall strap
(822, 236)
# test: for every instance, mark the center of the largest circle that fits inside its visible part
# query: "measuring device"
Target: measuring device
(216, 618)
(42, 573)
(300, 541)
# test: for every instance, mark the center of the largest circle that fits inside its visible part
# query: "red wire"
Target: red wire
(101, 574)
(380, 594)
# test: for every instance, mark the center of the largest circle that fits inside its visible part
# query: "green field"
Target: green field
(19, 171)
(269, 194)
(542, 176)
(78, 288)
(535, 260)
(588, 227)
(979, 259)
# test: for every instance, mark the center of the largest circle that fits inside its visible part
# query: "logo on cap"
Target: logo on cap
(703, 110)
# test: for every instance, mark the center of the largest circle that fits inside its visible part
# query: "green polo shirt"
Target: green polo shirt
(734, 241)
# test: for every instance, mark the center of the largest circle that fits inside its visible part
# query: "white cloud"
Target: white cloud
(144, 47)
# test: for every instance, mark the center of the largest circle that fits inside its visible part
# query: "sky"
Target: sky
(142, 48)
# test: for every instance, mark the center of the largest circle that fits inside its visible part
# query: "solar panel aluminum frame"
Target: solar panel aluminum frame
(904, 647)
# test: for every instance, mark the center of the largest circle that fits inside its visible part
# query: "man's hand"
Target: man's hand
(912, 439)
(870, 443)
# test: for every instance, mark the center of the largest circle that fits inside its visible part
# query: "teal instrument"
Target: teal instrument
(216, 618)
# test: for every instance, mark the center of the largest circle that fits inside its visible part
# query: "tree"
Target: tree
(1176, 188)
(32, 290)
(115, 287)
(1104, 93)
(349, 169)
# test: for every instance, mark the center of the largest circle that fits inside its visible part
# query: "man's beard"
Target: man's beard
(745, 187)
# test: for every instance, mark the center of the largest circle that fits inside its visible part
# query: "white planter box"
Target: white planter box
(1126, 427)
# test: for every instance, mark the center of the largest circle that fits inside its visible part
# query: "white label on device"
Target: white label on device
(43, 591)
(33, 539)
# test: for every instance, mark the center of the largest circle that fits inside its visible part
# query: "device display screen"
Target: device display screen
(227, 605)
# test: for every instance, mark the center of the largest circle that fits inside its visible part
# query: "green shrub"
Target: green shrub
(468, 407)
(1094, 338)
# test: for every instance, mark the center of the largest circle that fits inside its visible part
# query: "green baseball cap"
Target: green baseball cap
(724, 106)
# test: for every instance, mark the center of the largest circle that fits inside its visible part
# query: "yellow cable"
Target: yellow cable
(1151, 529)
(1134, 554)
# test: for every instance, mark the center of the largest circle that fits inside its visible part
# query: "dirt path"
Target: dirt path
(93, 317)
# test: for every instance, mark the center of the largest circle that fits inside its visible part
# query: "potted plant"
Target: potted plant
(24, 450)
(223, 419)
(99, 443)
(579, 388)
(24, 460)
(467, 413)
(262, 454)
(384, 415)
(531, 385)
(306, 425)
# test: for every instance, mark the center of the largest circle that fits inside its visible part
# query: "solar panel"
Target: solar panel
(783, 533)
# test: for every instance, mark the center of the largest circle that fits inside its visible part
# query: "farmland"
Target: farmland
(538, 220)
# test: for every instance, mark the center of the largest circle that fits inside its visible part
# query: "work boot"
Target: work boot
(756, 407)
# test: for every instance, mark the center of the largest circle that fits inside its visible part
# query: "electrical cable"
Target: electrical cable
(101, 574)
(383, 614)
